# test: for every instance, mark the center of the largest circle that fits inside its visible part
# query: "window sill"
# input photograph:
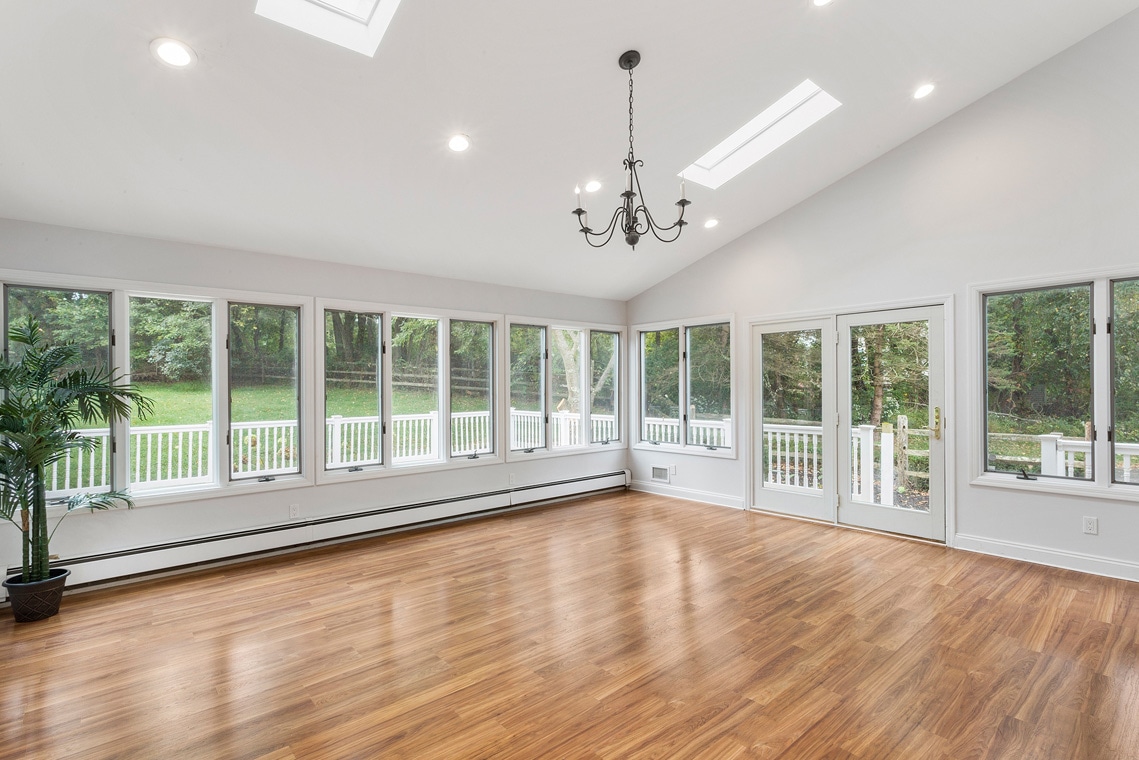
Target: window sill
(1056, 487)
(696, 451)
(411, 468)
(562, 451)
(161, 496)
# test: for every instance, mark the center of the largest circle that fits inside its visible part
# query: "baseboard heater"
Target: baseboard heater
(296, 534)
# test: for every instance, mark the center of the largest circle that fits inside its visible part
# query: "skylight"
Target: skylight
(790, 115)
(358, 25)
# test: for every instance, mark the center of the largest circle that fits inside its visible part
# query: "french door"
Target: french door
(891, 401)
(794, 450)
(849, 420)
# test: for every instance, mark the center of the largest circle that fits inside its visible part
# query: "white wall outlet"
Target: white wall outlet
(1091, 526)
(512, 479)
(672, 469)
(294, 511)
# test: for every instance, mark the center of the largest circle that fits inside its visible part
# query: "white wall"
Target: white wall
(1041, 177)
(55, 250)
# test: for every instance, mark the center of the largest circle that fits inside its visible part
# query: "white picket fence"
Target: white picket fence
(177, 455)
(712, 433)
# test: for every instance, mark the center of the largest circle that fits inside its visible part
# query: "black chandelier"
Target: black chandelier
(631, 218)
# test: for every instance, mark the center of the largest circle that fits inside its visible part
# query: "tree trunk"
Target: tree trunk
(878, 376)
(39, 548)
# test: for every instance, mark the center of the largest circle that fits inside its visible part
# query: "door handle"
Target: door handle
(936, 429)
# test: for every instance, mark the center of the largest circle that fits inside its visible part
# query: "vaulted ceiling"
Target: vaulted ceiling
(280, 142)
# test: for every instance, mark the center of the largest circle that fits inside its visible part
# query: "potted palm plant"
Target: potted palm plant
(46, 396)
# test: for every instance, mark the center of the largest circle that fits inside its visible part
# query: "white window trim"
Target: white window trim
(589, 447)
(1100, 487)
(636, 390)
(388, 468)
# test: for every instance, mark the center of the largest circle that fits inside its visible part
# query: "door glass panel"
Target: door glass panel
(793, 409)
(889, 414)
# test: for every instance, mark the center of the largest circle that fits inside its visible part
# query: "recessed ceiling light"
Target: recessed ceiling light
(173, 53)
(711, 223)
(777, 124)
(459, 143)
(592, 186)
(821, 3)
(922, 91)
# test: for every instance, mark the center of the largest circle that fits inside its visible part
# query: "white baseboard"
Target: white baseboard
(1040, 555)
(689, 494)
(148, 560)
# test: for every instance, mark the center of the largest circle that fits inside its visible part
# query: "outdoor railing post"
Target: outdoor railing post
(1051, 457)
(866, 461)
(887, 464)
(333, 450)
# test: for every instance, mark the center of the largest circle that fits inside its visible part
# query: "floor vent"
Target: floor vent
(660, 474)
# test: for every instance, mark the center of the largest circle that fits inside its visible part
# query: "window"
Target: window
(415, 390)
(603, 390)
(1038, 382)
(527, 387)
(83, 318)
(353, 433)
(472, 388)
(171, 363)
(565, 367)
(264, 408)
(660, 386)
(1125, 381)
(695, 411)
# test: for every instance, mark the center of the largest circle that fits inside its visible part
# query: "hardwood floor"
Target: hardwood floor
(620, 626)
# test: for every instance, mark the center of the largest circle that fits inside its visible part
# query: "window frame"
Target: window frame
(588, 446)
(637, 360)
(1101, 485)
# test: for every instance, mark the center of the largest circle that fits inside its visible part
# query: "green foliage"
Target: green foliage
(526, 380)
(792, 375)
(170, 339)
(660, 356)
(262, 344)
(710, 371)
(48, 394)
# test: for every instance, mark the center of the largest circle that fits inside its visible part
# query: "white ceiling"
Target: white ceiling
(282, 143)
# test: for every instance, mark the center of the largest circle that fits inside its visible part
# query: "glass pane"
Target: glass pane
(82, 318)
(171, 350)
(889, 414)
(793, 409)
(415, 389)
(527, 388)
(1125, 380)
(660, 386)
(263, 391)
(565, 374)
(710, 386)
(1038, 380)
(603, 364)
(472, 388)
(353, 436)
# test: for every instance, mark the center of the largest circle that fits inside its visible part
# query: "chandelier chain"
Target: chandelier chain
(630, 113)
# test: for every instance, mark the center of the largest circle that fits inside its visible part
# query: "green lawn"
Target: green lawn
(190, 403)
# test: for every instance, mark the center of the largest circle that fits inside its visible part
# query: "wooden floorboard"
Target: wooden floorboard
(625, 625)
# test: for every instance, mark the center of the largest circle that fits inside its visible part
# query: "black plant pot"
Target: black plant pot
(38, 600)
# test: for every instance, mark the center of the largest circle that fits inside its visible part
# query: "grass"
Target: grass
(191, 403)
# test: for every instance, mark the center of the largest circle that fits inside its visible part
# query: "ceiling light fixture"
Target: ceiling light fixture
(711, 223)
(592, 186)
(922, 91)
(173, 53)
(628, 214)
(459, 143)
(820, 3)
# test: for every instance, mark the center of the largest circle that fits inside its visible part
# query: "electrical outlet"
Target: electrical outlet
(1091, 526)
(294, 511)
(512, 479)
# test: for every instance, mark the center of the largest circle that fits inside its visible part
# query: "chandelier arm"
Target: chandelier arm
(606, 233)
(654, 228)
